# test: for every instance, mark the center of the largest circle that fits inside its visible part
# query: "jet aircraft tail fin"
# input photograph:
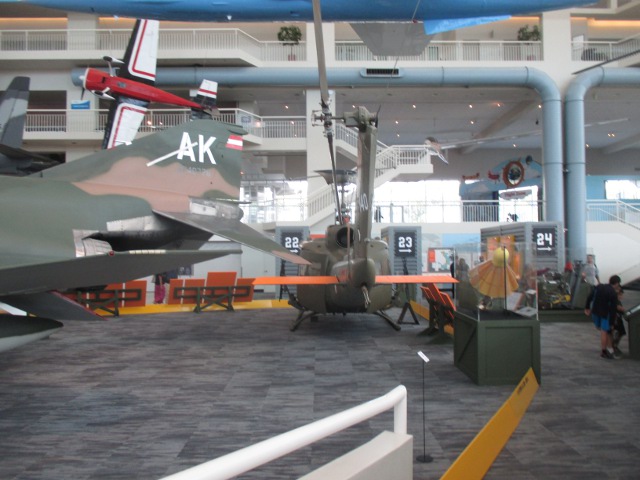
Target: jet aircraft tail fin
(196, 160)
(13, 112)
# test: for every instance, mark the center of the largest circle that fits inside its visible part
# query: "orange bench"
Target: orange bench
(220, 288)
(114, 296)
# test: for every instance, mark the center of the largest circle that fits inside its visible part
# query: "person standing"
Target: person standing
(159, 280)
(602, 306)
(590, 272)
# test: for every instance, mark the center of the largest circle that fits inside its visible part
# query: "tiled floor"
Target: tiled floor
(146, 396)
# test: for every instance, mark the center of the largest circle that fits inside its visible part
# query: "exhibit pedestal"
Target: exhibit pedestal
(498, 350)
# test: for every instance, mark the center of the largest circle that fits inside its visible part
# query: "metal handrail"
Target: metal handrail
(206, 40)
(248, 458)
(614, 211)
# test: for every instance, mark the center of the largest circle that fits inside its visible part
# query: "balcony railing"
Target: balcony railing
(225, 41)
(82, 122)
(448, 51)
(114, 41)
(597, 51)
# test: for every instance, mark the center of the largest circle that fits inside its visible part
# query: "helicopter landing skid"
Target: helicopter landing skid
(303, 315)
(389, 320)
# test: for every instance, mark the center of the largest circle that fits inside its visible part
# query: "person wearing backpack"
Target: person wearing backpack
(602, 306)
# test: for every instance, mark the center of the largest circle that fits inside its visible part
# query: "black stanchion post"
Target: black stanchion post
(424, 458)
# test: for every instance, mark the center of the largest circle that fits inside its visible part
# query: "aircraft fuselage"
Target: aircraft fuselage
(101, 83)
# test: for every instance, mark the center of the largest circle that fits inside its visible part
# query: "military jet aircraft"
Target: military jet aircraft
(132, 88)
(121, 214)
(14, 160)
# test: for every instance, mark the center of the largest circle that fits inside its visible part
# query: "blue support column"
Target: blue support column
(576, 185)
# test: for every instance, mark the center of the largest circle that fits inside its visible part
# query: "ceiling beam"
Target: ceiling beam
(628, 142)
(501, 123)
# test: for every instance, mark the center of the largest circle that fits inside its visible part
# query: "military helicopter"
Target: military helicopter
(348, 271)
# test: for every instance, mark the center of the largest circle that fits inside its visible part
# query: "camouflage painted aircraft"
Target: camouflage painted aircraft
(13, 112)
(122, 214)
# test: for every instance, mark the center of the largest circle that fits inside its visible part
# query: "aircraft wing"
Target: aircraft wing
(97, 269)
(141, 56)
(140, 59)
(237, 231)
(125, 117)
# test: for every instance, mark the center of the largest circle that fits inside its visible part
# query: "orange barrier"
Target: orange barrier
(183, 290)
(220, 288)
(113, 296)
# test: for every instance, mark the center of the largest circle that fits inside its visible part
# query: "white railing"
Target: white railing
(600, 51)
(258, 454)
(614, 211)
(94, 121)
(448, 51)
(296, 209)
(114, 41)
(233, 41)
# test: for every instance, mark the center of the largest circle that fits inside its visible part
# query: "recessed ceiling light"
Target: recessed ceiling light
(470, 106)
(611, 135)
(515, 146)
(539, 105)
(472, 122)
(286, 107)
(414, 105)
(397, 122)
(586, 145)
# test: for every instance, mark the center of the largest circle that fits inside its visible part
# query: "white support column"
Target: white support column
(556, 46)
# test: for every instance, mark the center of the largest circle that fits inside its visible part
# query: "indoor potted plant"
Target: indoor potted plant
(291, 36)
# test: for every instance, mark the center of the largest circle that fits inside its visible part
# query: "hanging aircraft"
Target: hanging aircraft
(437, 15)
(132, 89)
(121, 214)
(14, 160)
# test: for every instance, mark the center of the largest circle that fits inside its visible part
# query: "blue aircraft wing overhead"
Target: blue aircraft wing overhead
(301, 10)
(432, 27)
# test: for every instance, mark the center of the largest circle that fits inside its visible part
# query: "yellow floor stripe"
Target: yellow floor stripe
(477, 458)
(164, 308)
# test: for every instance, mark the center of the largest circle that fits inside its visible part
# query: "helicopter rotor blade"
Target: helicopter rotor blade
(327, 119)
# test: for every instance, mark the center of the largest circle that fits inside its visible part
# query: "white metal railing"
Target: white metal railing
(248, 458)
(601, 51)
(114, 42)
(94, 121)
(614, 211)
(448, 51)
(226, 41)
(296, 209)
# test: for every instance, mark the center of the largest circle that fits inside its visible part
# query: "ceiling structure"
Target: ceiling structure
(408, 115)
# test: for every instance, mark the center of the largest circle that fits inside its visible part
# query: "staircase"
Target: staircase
(397, 162)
